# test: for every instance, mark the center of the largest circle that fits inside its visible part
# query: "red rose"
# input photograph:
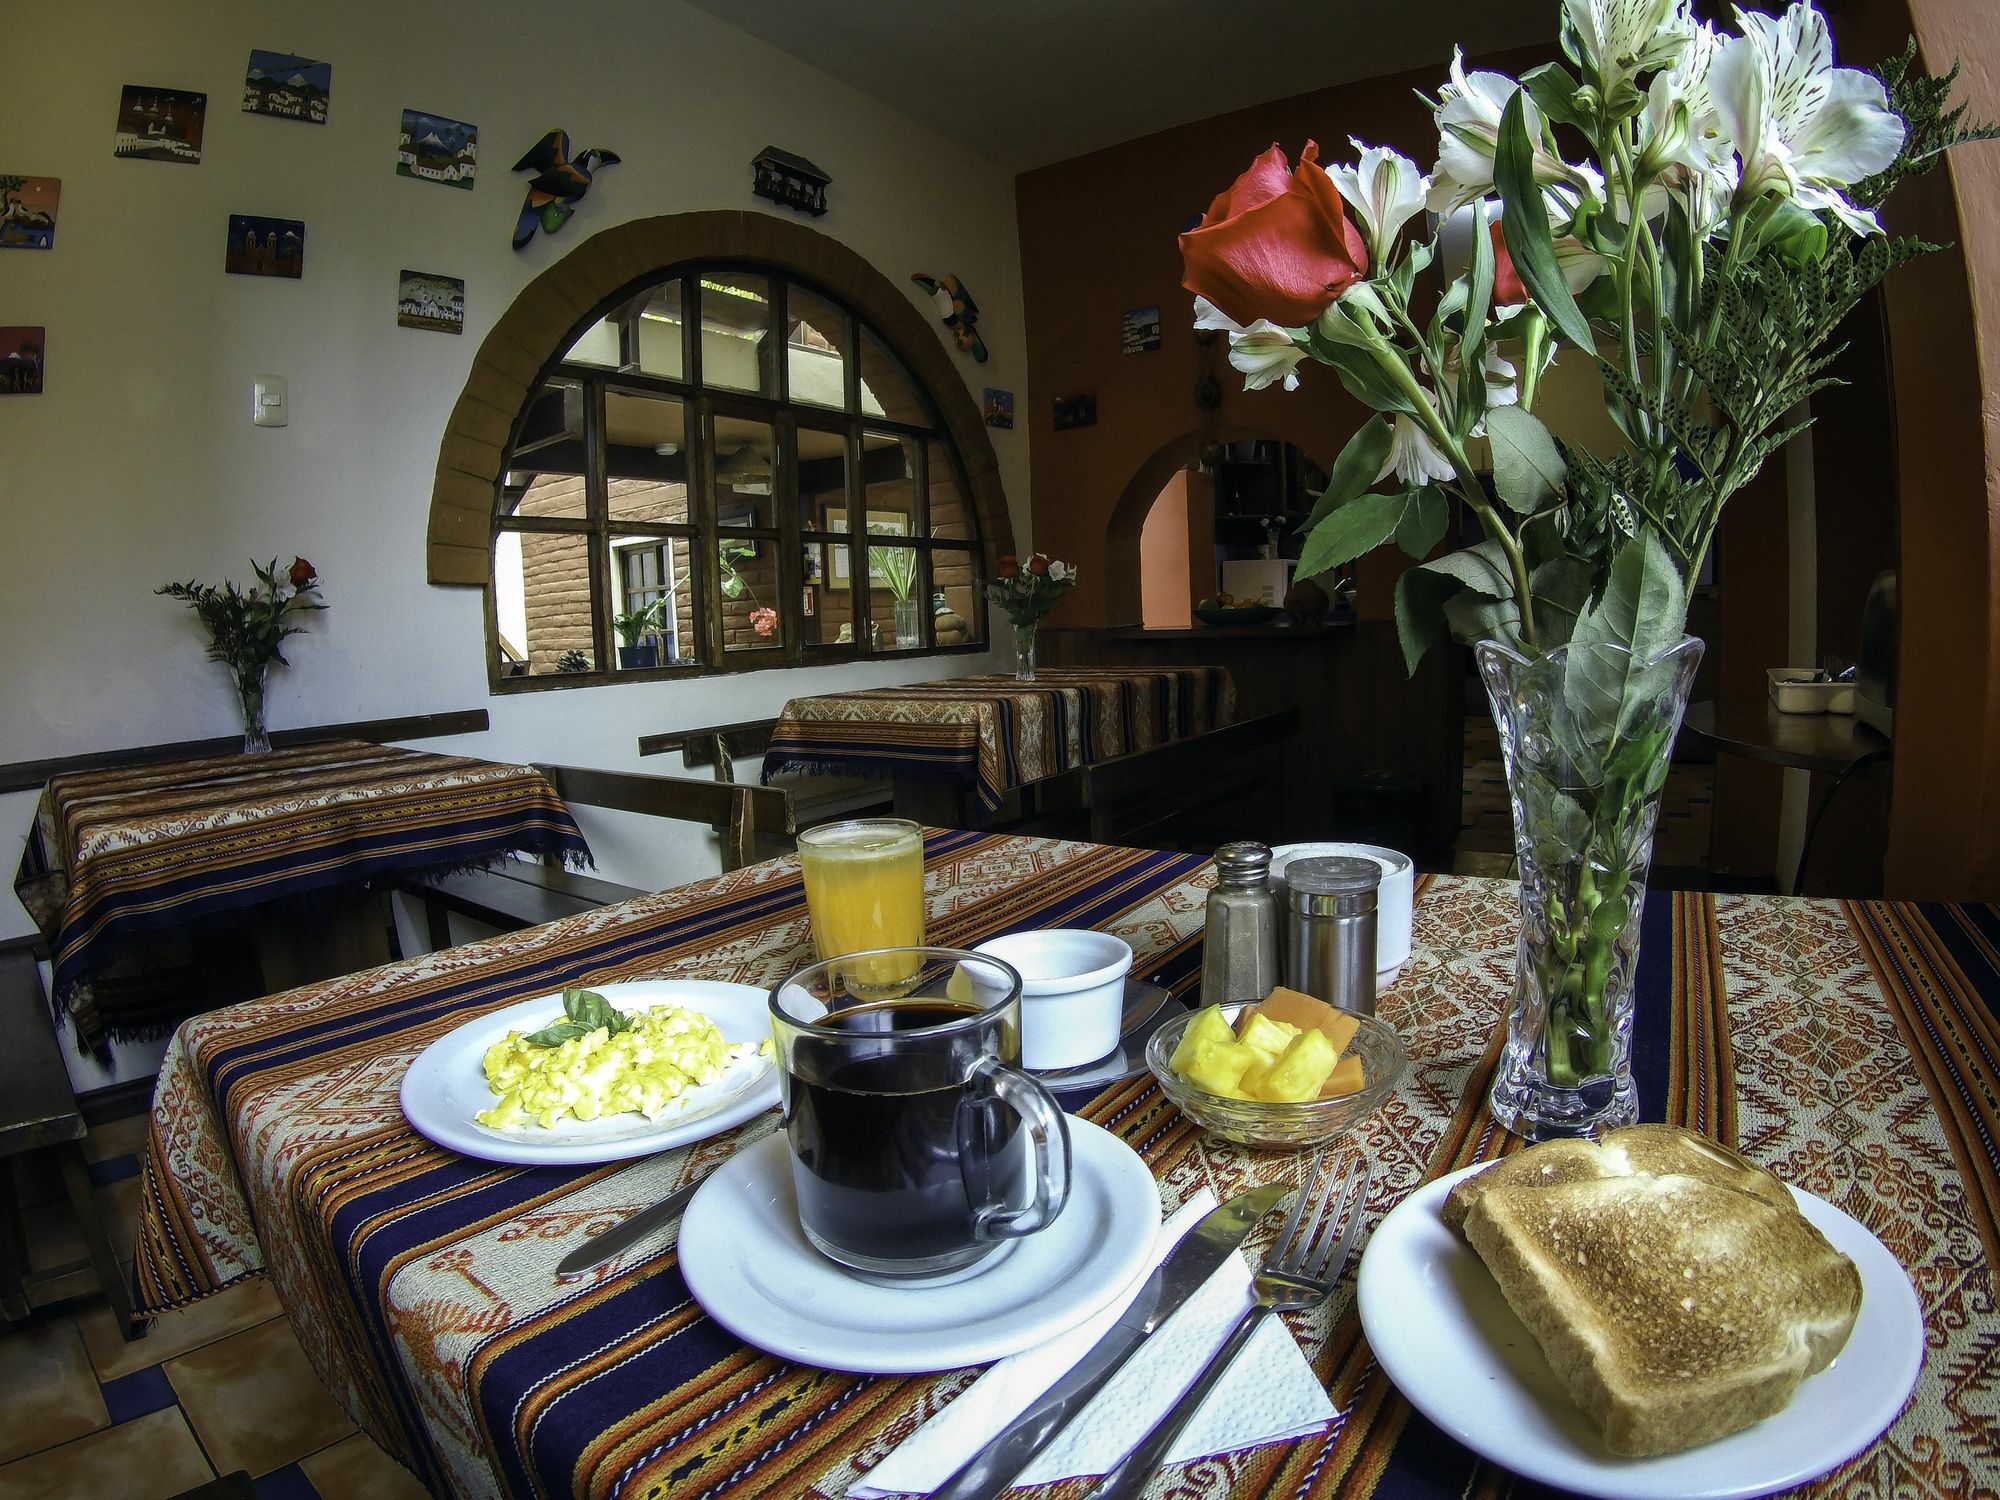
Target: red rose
(302, 574)
(1507, 288)
(1277, 245)
(1038, 565)
(1008, 566)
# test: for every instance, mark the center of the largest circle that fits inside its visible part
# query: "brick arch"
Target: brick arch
(550, 309)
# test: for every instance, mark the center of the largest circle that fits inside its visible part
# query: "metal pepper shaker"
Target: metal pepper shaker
(1331, 952)
(1239, 954)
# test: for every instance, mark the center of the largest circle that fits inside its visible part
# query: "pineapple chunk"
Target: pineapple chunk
(1218, 1067)
(1267, 1035)
(1297, 1075)
(1346, 1078)
(1251, 1086)
(1207, 1026)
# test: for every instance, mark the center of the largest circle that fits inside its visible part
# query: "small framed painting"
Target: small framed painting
(160, 124)
(292, 88)
(1141, 331)
(1079, 410)
(434, 303)
(999, 408)
(22, 353)
(265, 247)
(434, 149)
(28, 212)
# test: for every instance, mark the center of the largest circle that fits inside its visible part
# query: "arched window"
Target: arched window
(728, 468)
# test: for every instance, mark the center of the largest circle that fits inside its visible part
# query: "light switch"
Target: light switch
(267, 401)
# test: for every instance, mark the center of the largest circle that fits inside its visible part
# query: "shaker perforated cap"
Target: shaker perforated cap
(1245, 862)
(1336, 885)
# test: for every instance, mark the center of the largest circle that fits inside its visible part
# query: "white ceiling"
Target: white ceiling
(1029, 82)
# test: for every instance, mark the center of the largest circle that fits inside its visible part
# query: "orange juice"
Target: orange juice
(864, 886)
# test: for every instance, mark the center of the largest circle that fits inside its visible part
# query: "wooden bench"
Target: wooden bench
(814, 799)
(517, 894)
(38, 1113)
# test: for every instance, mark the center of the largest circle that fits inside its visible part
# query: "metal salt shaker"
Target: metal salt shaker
(1239, 954)
(1331, 953)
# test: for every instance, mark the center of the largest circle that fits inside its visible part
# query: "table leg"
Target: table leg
(929, 800)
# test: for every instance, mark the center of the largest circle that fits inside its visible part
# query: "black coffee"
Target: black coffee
(895, 1155)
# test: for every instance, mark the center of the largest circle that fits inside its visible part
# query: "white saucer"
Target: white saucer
(748, 1264)
(446, 1085)
(1444, 1334)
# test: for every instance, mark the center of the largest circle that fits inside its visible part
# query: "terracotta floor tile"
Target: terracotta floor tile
(126, 1137)
(51, 1392)
(150, 1458)
(357, 1469)
(254, 1400)
(242, 1306)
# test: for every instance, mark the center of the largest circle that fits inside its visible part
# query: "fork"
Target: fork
(1301, 1271)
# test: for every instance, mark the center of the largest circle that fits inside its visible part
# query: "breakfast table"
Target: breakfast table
(1850, 1046)
(992, 734)
(118, 860)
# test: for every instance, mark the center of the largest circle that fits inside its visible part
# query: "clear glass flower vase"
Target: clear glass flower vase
(1024, 649)
(1587, 743)
(250, 698)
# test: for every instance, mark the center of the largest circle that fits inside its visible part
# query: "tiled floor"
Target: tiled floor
(215, 1388)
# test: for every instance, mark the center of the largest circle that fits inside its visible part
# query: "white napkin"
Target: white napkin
(1270, 1392)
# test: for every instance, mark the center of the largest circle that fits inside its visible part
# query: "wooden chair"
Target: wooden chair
(517, 895)
(38, 1114)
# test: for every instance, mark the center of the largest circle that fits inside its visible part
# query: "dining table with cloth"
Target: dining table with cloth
(995, 733)
(1849, 1045)
(130, 856)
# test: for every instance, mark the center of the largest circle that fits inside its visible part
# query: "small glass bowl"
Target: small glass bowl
(1282, 1126)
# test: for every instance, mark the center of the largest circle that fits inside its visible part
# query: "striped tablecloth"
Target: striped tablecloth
(996, 733)
(116, 856)
(1851, 1046)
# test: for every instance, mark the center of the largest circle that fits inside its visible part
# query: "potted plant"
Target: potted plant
(247, 630)
(897, 567)
(1697, 253)
(634, 650)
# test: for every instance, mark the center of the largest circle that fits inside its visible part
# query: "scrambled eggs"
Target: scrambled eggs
(642, 1067)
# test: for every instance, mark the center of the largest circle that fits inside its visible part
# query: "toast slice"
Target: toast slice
(1636, 1150)
(1673, 1309)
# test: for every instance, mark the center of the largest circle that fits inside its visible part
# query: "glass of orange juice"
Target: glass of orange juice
(864, 887)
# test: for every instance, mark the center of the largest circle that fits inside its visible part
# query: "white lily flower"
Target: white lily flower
(1468, 118)
(1413, 457)
(1263, 351)
(1615, 40)
(1579, 264)
(1386, 190)
(1058, 570)
(1502, 377)
(1801, 127)
(1679, 130)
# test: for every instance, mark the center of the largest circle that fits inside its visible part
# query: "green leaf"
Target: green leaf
(1561, 588)
(1361, 525)
(1612, 675)
(1420, 600)
(1553, 89)
(1362, 376)
(1481, 617)
(584, 1011)
(1467, 588)
(1528, 471)
(1525, 223)
(1609, 919)
(1426, 517)
(1354, 471)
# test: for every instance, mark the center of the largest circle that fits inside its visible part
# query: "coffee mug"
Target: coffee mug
(917, 1143)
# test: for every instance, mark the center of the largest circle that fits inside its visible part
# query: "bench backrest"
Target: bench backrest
(738, 813)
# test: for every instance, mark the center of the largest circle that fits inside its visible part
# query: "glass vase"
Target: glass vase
(250, 698)
(909, 624)
(1024, 649)
(1587, 741)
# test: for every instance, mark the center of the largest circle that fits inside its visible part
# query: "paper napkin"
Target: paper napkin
(1270, 1392)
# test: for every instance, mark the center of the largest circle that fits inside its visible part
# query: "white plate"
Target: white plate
(446, 1085)
(748, 1264)
(1442, 1331)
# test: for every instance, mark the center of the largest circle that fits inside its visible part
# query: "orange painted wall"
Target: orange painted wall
(1163, 559)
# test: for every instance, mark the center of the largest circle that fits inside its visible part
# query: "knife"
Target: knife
(628, 1231)
(1190, 1263)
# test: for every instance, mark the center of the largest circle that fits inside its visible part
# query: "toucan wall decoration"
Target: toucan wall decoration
(959, 311)
(558, 185)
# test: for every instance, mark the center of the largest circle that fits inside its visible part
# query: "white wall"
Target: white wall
(139, 462)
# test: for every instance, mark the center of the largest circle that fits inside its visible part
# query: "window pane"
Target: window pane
(958, 611)
(817, 349)
(889, 475)
(746, 471)
(749, 573)
(600, 343)
(735, 332)
(822, 477)
(652, 602)
(951, 515)
(544, 475)
(897, 603)
(658, 332)
(645, 458)
(827, 610)
(541, 602)
(886, 387)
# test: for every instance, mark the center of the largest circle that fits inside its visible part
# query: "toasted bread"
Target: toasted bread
(1636, 1150)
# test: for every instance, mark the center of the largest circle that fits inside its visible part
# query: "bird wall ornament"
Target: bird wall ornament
(558, 185)
(959, 311)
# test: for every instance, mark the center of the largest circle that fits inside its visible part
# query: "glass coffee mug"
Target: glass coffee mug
(917, 1144)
